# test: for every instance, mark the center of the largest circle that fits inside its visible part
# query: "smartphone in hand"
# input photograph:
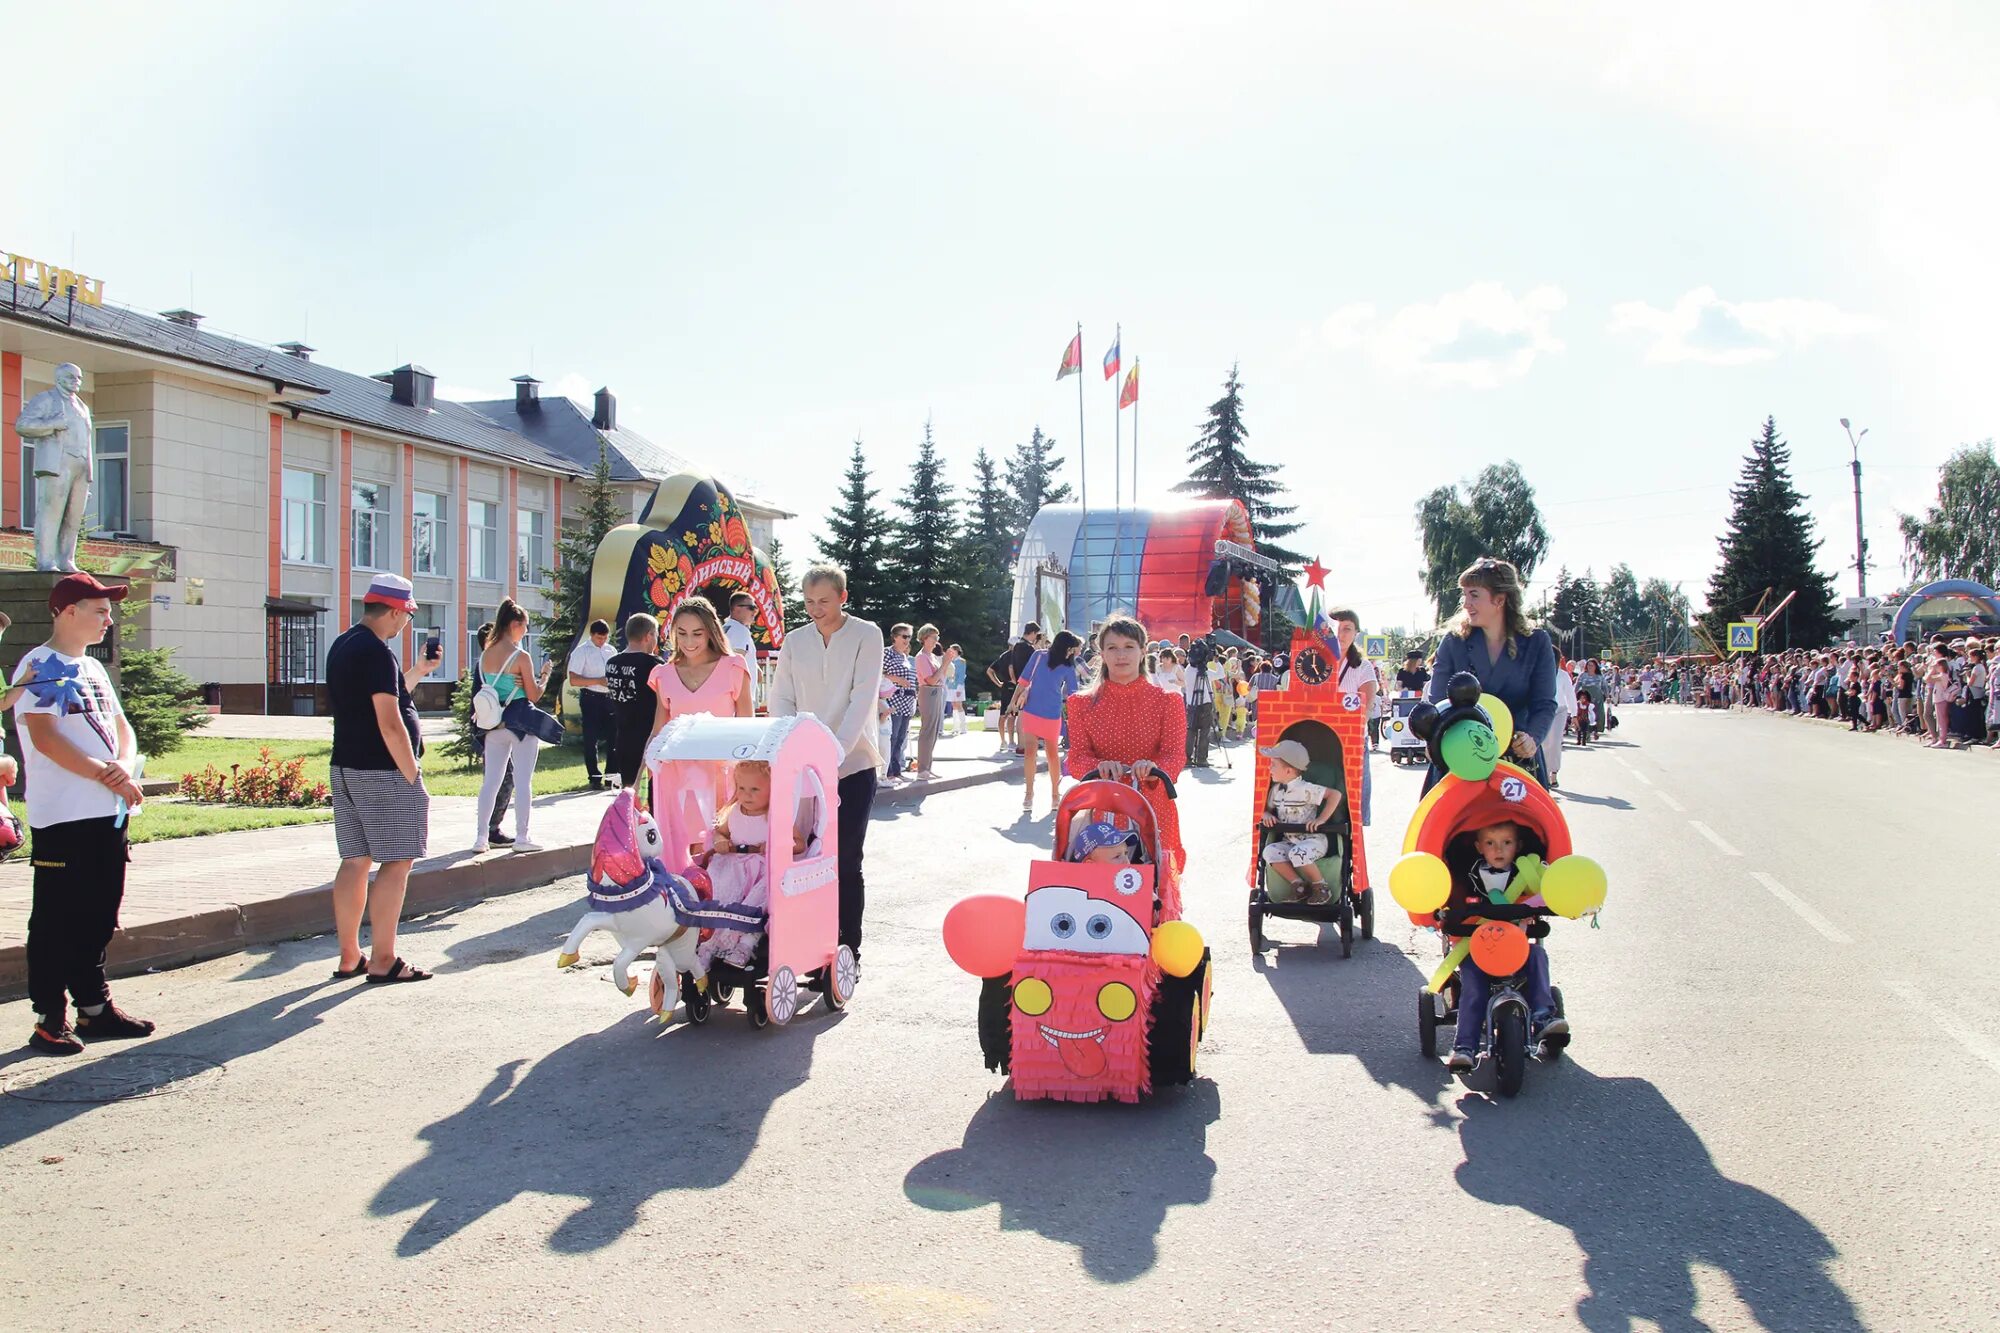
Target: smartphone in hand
(434, 648)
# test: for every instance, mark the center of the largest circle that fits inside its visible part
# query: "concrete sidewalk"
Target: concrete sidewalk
(193, 898)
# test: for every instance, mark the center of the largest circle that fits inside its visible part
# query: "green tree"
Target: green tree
(1576, 615)
(1220, 469)
(987, 562)
(1770, 547)
(161, 701)
(1624, 609)
(1497, 516)
(857, 540)
(1667, 612)
(1031, 480)
(791, 608)
(925, 563)
(1959, 536)
(569, 578)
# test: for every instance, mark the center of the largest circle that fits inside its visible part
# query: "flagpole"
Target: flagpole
(1117, 476)
(1082, 460)
(1135, 445)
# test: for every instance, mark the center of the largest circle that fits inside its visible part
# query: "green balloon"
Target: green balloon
(1470, 750)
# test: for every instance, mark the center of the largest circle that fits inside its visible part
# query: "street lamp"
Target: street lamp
(1860, 541)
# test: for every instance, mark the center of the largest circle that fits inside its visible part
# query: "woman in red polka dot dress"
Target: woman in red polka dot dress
(1126, 720)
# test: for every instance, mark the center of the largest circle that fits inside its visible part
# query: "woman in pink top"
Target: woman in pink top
(700, 674)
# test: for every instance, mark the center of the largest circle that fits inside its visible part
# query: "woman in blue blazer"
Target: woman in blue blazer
(1514, 662)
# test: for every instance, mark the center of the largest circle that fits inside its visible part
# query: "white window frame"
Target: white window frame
(438, 524)
(97, 487)
(482, 543)
(439, 616)
(376, 521)
(531, 539)
(475, 616)
(307, 508)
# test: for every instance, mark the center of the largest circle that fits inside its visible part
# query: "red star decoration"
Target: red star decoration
(1316, 574)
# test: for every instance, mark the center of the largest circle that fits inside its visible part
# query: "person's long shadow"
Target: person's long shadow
(1615, 1163)
(1364, 1006)
(1609, 802)
(221, 1040)
(1100, 1178)
(551, 1128)
(544, 931)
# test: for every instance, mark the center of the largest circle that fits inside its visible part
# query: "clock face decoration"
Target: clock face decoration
(1311, 666)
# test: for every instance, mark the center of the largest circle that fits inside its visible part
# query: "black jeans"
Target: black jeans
(79, 884)
(597, 729)
(857, 801)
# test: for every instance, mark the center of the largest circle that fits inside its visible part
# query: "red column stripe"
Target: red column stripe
(10, 442)
(343, 563)
(277, 462)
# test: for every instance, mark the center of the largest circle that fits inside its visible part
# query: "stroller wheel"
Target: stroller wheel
(1256, 926)
(695, 999)
(1368, 914)
(781, 996)
(1426, 1024)
(753, 1004)
(1346, 928)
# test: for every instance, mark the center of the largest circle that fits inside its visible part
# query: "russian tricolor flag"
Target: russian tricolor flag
(1111, 360)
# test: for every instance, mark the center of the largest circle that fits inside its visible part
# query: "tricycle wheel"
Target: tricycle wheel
(781, 996)
(1368, 914)
(1510, 1048)
(1427, 1040)
(996, 1022)
(696, 1000)
(1346, 928)
(841, 977)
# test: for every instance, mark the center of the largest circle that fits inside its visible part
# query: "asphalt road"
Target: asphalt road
(1779, 1110)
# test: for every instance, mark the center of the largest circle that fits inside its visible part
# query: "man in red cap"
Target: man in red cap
(81, 757)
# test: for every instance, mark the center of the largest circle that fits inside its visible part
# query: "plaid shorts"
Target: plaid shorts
(378, 815)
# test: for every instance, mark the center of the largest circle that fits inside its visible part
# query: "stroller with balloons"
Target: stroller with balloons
(1487, 860)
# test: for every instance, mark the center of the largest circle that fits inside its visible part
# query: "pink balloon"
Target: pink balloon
(983, 933)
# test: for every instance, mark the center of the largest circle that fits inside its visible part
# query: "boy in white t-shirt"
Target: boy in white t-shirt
(81, 756)
(1293, 800)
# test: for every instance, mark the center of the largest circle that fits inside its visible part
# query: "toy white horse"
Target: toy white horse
(629, 898)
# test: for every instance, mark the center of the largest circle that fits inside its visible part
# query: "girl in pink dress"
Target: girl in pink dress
(700, 675)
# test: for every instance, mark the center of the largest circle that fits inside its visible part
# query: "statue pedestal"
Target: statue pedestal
(24, 596)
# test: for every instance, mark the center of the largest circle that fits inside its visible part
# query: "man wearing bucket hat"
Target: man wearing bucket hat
(381, 812)
(81, 755)
(1296, 802)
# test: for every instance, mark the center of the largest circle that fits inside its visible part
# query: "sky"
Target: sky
(1602, 240)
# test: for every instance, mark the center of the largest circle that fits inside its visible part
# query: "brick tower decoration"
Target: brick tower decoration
(1313, 697)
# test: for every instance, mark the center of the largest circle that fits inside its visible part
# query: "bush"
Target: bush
(269, 782)
(463, 745)
(161, 701)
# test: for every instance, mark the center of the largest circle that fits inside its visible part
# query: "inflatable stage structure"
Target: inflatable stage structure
(1165, 566)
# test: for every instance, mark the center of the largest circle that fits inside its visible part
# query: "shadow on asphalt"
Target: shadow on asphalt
(542, 933)
(552, 1127)
(1098, 1177)
(1038, 832)
(1364, 1006)
(1609, 802)
(1612, 1160)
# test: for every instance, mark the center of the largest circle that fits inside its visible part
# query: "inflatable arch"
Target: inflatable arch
(1980, 597)
(1153, 563)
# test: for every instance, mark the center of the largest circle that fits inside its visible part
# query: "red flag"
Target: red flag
(1072, 362)
(1130, 393)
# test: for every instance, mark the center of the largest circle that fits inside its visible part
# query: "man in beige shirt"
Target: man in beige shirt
(832, 669)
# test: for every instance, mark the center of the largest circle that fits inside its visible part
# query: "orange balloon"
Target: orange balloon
(983, 933)
(1500, 948)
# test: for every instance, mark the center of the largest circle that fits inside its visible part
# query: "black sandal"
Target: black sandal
(399, 972)
(360, 968)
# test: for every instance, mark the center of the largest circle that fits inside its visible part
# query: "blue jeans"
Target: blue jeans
(1475, 988)
(899, 732)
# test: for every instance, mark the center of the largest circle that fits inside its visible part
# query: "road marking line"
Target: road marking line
(1802, 907)
(1981, 1047)
(1641, 776)
(1672, 804)
(1714, 837)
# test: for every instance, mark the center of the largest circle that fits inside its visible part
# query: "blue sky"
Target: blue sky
(1600, 241)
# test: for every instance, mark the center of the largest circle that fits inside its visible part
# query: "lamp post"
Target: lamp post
(1860, 541)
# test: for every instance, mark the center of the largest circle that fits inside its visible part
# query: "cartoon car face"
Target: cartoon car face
(1063, 917)
(1073, 1023)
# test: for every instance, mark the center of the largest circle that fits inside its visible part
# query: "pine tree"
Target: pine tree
(925, 563)
(791, 608)
(1576, 615)
(576, 555)
(857, 540)
(987, 554)
(161, 701)
(1770, 545)
(1221, 470)
(1031, 480)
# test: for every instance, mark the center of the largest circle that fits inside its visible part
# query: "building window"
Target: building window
(305, 517)
(532, 561)
(432, 621)
(482, 541)
(430, 533)
(111, 493)
(475, 616)
(372, 541)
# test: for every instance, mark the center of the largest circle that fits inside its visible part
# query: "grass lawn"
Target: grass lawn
(559, 768)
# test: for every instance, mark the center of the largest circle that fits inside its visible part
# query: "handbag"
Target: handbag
(524, 719)
(487, 713)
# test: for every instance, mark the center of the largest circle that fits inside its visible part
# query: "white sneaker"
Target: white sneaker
(525, 845)
(481, 847)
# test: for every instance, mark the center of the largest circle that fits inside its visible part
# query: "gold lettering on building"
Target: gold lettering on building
(53, 279)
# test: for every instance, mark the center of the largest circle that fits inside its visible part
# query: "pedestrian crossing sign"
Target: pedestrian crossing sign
(1742, 636)
(1375, 645)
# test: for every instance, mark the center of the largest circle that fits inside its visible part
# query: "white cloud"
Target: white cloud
(1477, 338)
(1704, 328)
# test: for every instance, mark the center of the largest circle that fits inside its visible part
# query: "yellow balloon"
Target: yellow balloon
(1177, 948)
(1573, 885)
(1503, 719)
(1419, 882)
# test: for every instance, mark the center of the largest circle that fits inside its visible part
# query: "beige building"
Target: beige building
(253, 492)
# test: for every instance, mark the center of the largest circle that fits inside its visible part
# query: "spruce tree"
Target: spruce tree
(1770, 545)
(161, 701)
(988, 554)
(925, 565)
(1221, 470)
(1031, 479)
(791, 607)
(569, 578)
(857, 540)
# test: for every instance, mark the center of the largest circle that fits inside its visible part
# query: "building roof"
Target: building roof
(563, 426)
(338, 395)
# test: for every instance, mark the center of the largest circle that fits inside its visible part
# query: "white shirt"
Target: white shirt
(835, 682)
(744, 645)
(587, 659)
(1296, 802)
(56, 795)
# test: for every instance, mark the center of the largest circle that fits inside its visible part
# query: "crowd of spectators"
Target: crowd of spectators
(1943, 691)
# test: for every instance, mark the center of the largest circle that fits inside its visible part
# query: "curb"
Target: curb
(158, 945)
(906, 792)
